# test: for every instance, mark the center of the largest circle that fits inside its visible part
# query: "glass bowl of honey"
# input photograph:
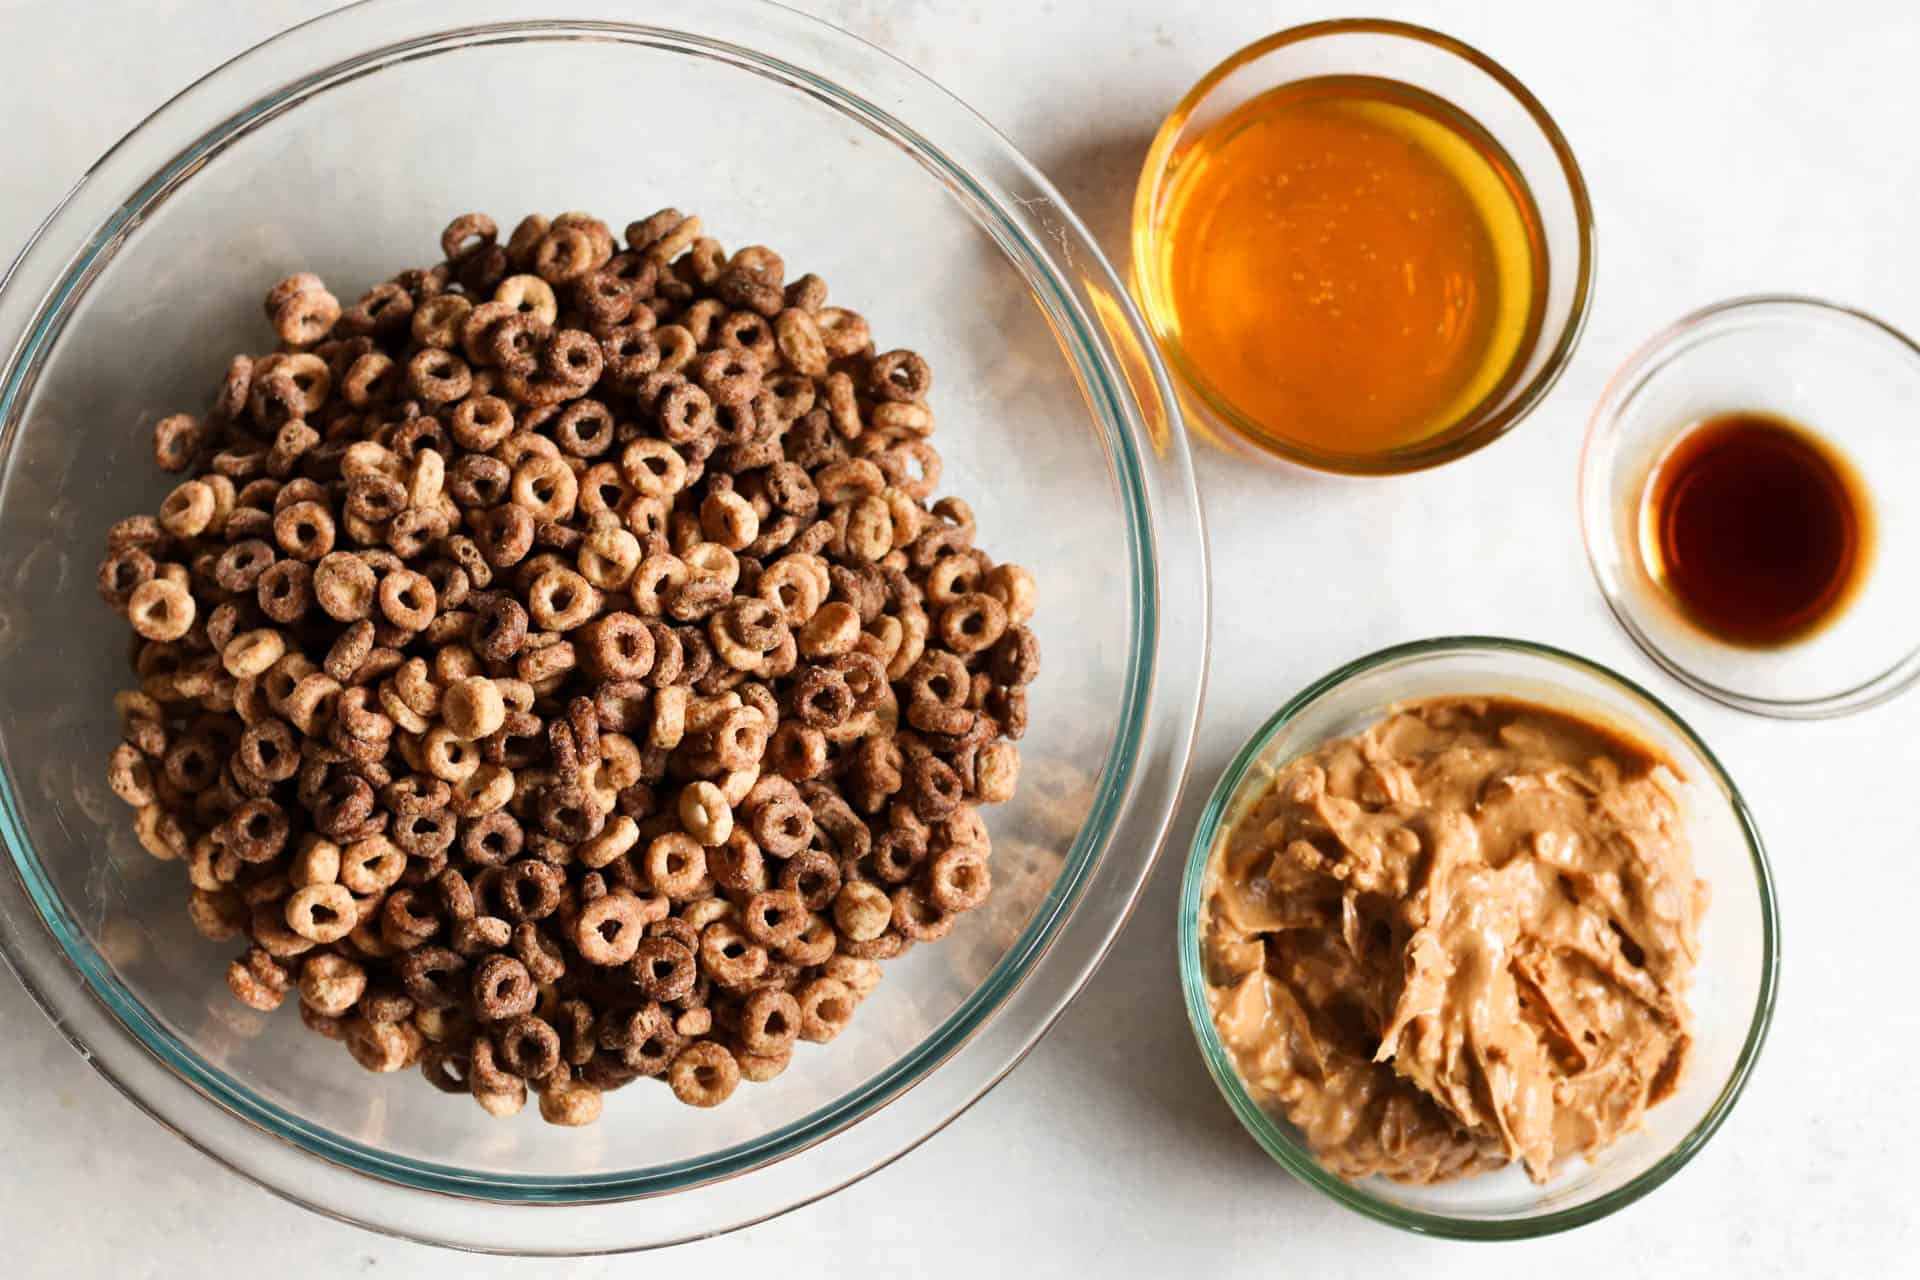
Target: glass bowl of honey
(1363, 246)
(1738, 502)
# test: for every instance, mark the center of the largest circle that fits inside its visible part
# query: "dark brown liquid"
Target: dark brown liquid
(1760, 531)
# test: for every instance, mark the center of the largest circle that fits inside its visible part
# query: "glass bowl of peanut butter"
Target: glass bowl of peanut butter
(1478, 938)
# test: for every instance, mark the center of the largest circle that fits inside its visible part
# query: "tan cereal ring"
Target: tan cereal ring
(862, 911)
(738, 864)
(571, 1105)
(545, 487)
(704, 1074)
(844, 332)
(529, 295)
(408, 600)
(331, 984)
(564, 254)
(675, 865)
(322, 913)
(258, 981)
(705, 814)
(384, 1046)
(608, 930)
(972, 622)
(306, 317)
(372, 865)
(775, 918)
(161, 609)
(918, 917)
(653, 467)
(800, 342)
(769, 1023)
(561, 600)
(826, 1007)
(252, 652)
(608, 558)
(502, 989)
(476, 331)
(439, 321)
(663, 969)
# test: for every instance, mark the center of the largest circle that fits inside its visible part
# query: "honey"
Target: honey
(1351, 263)
(1757, 530)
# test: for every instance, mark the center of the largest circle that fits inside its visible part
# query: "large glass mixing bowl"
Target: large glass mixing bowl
(343, 146)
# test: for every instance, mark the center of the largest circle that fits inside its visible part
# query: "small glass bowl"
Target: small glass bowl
(1850, 379)
(1732, 996)
(1457, 74)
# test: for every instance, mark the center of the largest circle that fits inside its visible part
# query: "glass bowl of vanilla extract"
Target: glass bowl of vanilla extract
(1737, 493)
(1363, 246)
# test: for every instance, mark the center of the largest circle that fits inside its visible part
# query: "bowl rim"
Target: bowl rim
(1595, 500)
(1418, 456)
(1275, 1137)
(1128, 398)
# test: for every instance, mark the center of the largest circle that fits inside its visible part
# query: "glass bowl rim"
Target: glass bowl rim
(1595, 499)
(1110, 391)
(1458, 443)
(1287, 1150)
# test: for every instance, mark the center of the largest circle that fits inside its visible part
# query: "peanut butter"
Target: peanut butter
(1458, 939)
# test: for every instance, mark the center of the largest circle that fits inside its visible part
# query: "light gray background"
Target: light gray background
(1731, 147)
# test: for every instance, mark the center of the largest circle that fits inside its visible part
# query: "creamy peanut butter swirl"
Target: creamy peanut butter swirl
(1458, 939)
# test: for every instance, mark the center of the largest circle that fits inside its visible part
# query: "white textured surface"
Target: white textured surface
(1730, 147)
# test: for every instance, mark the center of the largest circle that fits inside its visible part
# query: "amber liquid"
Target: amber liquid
(1758, 531)
(1351, 263)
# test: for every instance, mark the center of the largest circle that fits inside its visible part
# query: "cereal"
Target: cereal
(704, 1074)
(608, 930)
(553, 669)
(958, 879)
(322, 913)
(161, 609)
(383, 1046)
(258, 981)
(473, 708)
(769, 1023)
(775, 918)
(862, 911)
(571, 1104)
(825, 1007)
(705, 813)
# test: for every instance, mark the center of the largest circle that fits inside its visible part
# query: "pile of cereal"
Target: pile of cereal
(555, 671)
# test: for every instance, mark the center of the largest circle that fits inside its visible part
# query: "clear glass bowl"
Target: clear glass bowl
(1847, 377)
(1734, 985)
(344, 146)
(1457, 74)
